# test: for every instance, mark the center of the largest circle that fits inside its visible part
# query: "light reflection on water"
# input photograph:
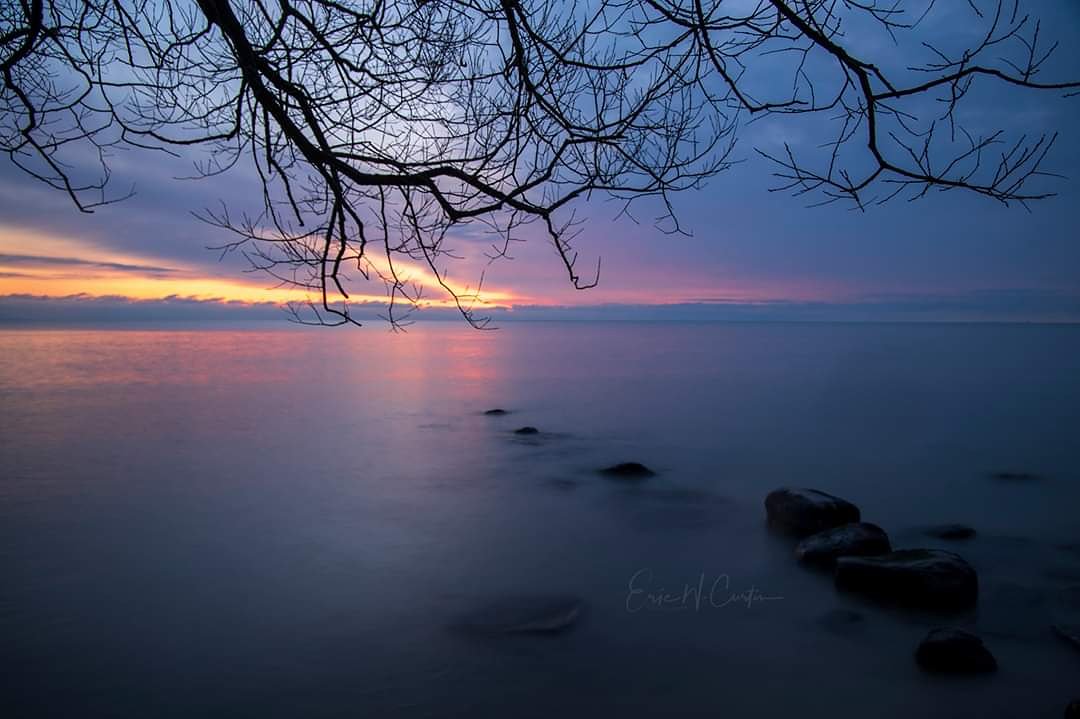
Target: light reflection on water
(284, 522)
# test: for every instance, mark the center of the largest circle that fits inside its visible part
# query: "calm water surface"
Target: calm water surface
(286, 522)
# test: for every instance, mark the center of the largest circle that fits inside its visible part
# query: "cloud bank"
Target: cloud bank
(1020, 305)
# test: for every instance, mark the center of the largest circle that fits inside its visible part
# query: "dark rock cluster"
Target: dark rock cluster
(833, 535)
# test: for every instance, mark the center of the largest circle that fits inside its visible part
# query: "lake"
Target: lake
(267, 520)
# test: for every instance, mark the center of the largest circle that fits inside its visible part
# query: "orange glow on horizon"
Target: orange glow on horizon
(39, 264)
(43, 265)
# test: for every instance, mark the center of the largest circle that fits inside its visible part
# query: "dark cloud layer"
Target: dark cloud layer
(985, 306)
(79, 309)
(40, 261)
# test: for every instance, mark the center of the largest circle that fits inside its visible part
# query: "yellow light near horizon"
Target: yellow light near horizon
(194, 288)
(178, 280)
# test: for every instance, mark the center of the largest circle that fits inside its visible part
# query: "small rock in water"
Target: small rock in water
(495, 412)
(526, 430)
(526, 615)
(954, 651)
(628, 470)
(951, 531)
(926, 578)
(1015, 476)
(1069, 632)
(1073, 710)
(859, 539)
(803, 512)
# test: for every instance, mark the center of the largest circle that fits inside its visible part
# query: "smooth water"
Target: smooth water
(292, 523)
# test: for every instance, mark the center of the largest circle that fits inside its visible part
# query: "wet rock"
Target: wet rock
(803, 512)
(925, 578)
(497, 412)
(951, 531)
(954, 651)
(1073, 710)
(860, 539)
(1069, 632)
(627, 470)
(1015, 476)
(526, 615)
(526, 430)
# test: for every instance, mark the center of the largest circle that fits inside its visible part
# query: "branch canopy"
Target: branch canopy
(378, 129)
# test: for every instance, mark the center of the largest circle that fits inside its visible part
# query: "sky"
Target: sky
(751, 254)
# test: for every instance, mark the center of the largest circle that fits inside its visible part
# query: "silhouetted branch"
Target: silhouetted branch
(381, 130)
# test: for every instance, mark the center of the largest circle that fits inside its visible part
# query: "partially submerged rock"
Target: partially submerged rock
(526, 430)
(803, 512)
(1073, 710)
(954, 651)
(526, 615)
(627, 470)
(860, 539)
(951, 531)
(925, 578)
(497, 412)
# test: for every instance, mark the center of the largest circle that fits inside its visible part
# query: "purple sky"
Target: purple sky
(752, 254)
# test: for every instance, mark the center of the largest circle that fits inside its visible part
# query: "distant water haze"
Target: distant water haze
(276, 521)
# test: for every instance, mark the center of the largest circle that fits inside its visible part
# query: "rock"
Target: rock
(951, 531)
(925, 578)
(628, 470)
(953, 651)
(1069, 632)
(1015, 476)
(526, 430)
(526, 615)
(860, 539)
(495, 412)
(1073, 710)
(803, 512)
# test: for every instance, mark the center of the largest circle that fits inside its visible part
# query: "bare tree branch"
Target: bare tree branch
(380, 130)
